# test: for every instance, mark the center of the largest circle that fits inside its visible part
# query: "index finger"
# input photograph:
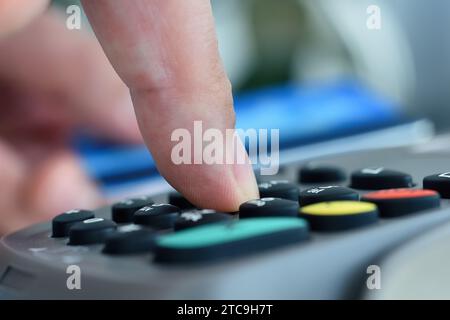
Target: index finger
(166, 52)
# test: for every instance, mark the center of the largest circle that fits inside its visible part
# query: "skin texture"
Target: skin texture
(16, 14)
(165, 54)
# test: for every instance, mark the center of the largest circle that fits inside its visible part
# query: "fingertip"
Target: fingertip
(246, 183)
(225, 193)
(222, 187)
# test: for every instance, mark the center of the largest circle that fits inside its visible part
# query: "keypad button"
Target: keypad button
(62, 223)
(123, 211)
(226, 240)
(321, 174)
(438, 182)
(158, 216)
(268, 207)
(278, 189)
(130, 239)
(193, 218)
(327, 193)
(380, 178)
(339, 215)
(398, 202)
(91, 231)
(177, 199)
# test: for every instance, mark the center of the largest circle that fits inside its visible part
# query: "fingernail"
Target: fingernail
(245, 178)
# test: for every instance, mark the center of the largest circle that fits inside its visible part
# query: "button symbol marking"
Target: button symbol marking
(445, 175)
(372, 170)
(93, 220)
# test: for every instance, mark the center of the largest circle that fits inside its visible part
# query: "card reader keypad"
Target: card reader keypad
(286, 214)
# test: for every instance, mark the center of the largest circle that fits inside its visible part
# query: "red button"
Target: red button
(399, 202)
(400, 193)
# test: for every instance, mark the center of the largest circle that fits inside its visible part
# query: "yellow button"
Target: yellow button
(338, 208)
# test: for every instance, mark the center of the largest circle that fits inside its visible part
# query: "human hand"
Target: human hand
(165, 52)
(51, 82)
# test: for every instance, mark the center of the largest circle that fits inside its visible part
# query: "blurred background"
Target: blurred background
(319, 61)
(267, 42)
(315, 69)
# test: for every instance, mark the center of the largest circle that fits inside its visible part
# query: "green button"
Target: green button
(220, 240)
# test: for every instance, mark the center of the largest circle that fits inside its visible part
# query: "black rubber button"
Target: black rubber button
(339, 215)
(91, 231)
(278, 189)
(157, 216)
(219, 241)
(130, 239)
(327, 193)
(177, 199)
(380, 178)
(438, 182)
(399, 202)
(62, 223)
(123, 211)
(198, 217)
(320, 174)
(268, 207)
